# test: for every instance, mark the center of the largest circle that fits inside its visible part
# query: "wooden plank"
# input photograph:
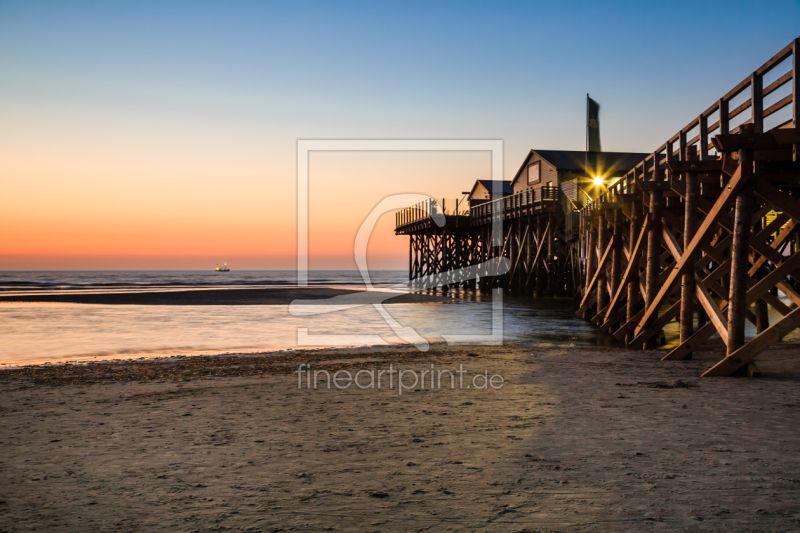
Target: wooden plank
(519, 255)
(709, 223)
(776, 59)
(787, 135)
(714, 314)
(657, 325)
(599, 273)
(692, 343)
(783, 270)
(627, 326)
(752, 349)
(778, 199)
(637, 249)
(709, 165)
(612, 319)
(795, 95)
(777, 106)
(733, 142)
(539, 249)
(757, 101)
(775, 85)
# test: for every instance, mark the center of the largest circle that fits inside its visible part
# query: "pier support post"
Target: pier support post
(529, 256)
(653, 247)
(551, 267)
(740, 264)
(616, 257)
(591, 264)
(540, 271)
(602, 280)
(633, 280)
(688, 287)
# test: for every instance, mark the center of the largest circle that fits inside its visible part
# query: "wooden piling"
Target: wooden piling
(591, 264)
(688, 286)
(653, 265)
(633, 280)
(616, 257)
(740, 250)
(602, 281)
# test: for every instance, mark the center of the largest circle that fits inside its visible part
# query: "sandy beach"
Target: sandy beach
(577, 439)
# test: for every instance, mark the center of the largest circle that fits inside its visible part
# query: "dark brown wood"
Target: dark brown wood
(616, 257)
(591, 264)
(740, 257)
(602, 248)
(795, 110)
(653, 267)
(762, 315)
(632, 280)
(692, 190)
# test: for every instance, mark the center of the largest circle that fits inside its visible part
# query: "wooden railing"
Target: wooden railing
(779, 95)
(423, 210)
(530, 198)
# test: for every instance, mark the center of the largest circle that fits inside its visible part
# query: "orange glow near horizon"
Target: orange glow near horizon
(72, 210)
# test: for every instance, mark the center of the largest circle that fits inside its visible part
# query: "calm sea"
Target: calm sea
(16, 280)
(38, 332)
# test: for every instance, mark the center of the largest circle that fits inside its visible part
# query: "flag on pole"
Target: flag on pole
(592, 125)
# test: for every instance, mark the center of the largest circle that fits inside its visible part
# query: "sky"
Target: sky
(163, 135)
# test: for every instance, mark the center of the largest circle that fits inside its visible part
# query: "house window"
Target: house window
(549, 183)
(534, 173)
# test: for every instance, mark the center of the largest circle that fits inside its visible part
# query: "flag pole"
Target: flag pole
(586, 152)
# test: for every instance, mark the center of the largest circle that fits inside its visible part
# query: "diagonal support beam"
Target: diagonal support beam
(709, 222)
(750, 350)
(629, 270)
(600, 268)
(754, 293)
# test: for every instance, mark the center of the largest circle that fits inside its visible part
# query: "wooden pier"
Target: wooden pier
(703, 231)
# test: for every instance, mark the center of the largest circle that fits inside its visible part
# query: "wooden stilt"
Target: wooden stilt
(740, 258)
(633, 265)
(689, 228)
(602, 281)
(591, 265)
(653, 267)
(616, 257)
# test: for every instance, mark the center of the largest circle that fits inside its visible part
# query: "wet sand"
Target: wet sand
(578, 439)
(227, 296)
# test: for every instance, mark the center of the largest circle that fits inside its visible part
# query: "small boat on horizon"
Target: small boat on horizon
(224, 268)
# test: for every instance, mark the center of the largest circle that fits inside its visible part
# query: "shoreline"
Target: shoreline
(226, 296)
(578, 439)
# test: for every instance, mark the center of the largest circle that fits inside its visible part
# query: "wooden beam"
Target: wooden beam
(778, 199)
(601, 267)
(632, 265)
(709, 222)
(752, 349)
(692, 343)
(713, 312)
(719, 321)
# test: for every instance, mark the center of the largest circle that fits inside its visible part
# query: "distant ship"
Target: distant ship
(224, 268)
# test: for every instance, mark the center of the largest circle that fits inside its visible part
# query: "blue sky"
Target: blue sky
(517, 71)
(115, 112)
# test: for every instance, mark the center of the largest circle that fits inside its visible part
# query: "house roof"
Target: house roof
(598, 162)
(505, 186)
(571, 160)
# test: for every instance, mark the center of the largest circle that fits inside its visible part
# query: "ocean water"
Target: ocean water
(42, 332)
(65, 280)
(48, 332)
